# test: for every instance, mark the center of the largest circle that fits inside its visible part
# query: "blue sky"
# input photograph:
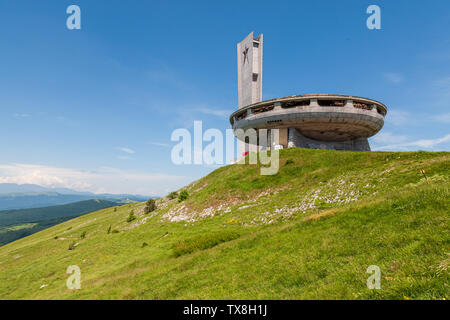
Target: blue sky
(94, 109)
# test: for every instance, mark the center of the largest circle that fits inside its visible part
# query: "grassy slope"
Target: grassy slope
(309, 232)
(17, 231)
(16, 224)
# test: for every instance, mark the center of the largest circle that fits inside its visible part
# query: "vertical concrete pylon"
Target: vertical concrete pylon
(250, 57)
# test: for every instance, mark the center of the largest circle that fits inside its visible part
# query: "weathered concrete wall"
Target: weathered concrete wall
(250, 55)
(297, 140)
(284, 137)
(317, 122)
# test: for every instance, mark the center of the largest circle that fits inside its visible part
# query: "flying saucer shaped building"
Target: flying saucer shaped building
(316, 121)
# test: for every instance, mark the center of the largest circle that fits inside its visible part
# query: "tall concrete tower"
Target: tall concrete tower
(250, 57)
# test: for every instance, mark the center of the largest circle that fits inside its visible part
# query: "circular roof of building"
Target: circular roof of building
(295, 98)
(326, 117)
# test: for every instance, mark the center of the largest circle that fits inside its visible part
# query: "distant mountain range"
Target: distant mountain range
(16, 224)
(24, 196)
(34, 188)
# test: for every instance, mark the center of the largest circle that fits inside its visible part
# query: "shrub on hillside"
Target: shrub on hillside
(183, 196)
(72, 246)
(131, 217)
(150, 206)
(173, 195)
(83, 235)
(109, 230)
(288, 162)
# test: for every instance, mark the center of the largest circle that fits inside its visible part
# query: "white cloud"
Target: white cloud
(394, 78)
(124, 158)
(388, 137)
(398, 117)
(22, 115)
(443, 83)
(168, 76)
(215, 112)
(127, 150)
(102, 180)
(414, 145)
(431, 143)
(444, 118)
(159, 144)
(440, 90)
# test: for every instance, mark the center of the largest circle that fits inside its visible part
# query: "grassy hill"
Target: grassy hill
(309, 232)
(16, 224)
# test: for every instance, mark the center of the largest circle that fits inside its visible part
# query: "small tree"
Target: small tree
(109, 230)
(72, 246)
(183, 196)
(173, 195)
(288, 162)
(150, 206)
(83, 235)
(131, 217)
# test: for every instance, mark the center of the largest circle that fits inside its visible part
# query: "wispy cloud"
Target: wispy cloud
(439, 91)
(168, 76)
(124, 158)
(22, 115)
(215, 112)
(394, 78)
(102, 180)
(398, 117)
(127, 150)
(414, 145)
(442, 83)
(159, 144)
(388, 137)
(444, 118)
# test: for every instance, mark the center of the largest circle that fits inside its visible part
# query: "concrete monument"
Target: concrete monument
(316, 121)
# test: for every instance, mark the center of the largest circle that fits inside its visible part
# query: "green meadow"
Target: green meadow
(309, 232)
